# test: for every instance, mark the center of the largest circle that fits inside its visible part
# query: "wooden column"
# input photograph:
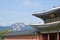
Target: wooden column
(48, 36)
(57, 36)
(41, 37)
(38, 37)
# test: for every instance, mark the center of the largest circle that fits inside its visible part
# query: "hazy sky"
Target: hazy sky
(17, 11)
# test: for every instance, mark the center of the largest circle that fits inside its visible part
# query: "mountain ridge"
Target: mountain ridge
(13, 27)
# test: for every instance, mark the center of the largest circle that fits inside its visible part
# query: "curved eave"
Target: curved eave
(46, 25)
(45, 13)
(39, 16)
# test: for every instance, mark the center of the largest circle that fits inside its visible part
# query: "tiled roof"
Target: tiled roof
(46, 11)
(44, 14)
(46, 24)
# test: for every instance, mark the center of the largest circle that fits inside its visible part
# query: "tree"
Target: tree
(4, 32)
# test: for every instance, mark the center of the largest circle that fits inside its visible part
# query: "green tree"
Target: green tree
(4, 32)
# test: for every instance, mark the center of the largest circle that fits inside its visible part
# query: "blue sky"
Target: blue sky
(14, 11)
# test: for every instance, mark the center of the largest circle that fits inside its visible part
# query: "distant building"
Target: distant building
(50, 30)
(27, 33)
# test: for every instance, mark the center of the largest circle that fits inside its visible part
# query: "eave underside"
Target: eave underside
(45, 15)
(51, 28)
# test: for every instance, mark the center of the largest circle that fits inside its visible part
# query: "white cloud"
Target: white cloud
(30, 3)
(36, 4)
(26, 3)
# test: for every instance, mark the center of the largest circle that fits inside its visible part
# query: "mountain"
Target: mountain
(2, 28)
(16, 27)
(13, 27)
